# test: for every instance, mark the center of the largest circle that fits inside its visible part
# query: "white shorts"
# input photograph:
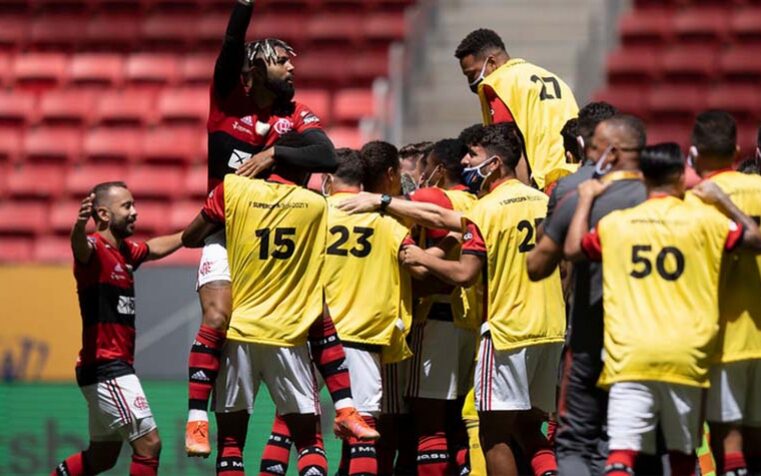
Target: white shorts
(287, 371)
(366, 383)
(635, 408)
(118, 409)
(443, 361)
(519, 379)
(214, 265)
(735, 393)
(395, 377)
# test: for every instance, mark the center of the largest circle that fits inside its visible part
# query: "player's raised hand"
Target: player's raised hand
(85, 209)
(257, 164)
(709, 192)
(363, 202)
(592, 188)
(411, 255)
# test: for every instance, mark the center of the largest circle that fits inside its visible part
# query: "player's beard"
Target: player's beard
(283, 90)
(123, 228)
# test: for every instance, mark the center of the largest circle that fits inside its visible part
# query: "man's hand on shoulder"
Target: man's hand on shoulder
(257, 164)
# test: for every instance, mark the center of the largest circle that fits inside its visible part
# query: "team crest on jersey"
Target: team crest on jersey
(283, 126)
(140, 403)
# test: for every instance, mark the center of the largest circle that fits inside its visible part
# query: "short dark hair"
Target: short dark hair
(377, 157)
(750, 166)
(661, 163)
(350, 166)
(101, 192)
(472, 135)
(449, 152)
(570, 133)
(479, 42)
(511, 129)
(506, 146)
(591, 115)
(715, 134)
(415, 150)
(633, 127)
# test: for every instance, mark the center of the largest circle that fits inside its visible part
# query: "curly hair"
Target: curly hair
(472, 135)
(478, 42)
(265, 49)
(449, 152)
(506, 146)
(591, 115)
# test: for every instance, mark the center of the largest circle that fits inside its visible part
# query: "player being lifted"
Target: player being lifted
(251, 107)
(104, 263)
(660, 298)
(523, 333)
(276, 239)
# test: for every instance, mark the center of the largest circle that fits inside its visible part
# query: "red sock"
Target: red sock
(230, 458)
(543, 462)
(432, 455)
(552, 428)
(74, 465)
(144, 466)
(620, 463)
(732, 461)
(328, 356)
(203, 365)
(277, 452)
(312, 460)
(363, 459)
(682, 464)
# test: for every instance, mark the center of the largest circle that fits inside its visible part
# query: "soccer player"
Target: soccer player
(446, 328)
(104, 263)
(276, 240)
(514, 90)
(523, 333)
(734, 398)
(251, 107)
(662, 263)
(580, 438)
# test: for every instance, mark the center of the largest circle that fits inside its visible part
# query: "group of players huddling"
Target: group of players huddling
(429, 288)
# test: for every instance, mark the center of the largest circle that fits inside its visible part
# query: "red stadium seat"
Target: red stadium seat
(152, 216)
(196, 182)
(211, 28)
(40, 70)
(96, 69)
(311, 68)
(155, 181)
(67, 106)
(198, 69)
(745, 25)
(58, 31)
(690, 63)
(17, 108)
(117, 145)
(13, 31)
(741, 63)
(125, 107)
(53, 144)
(743, 101)
(36, 181)
(385, 27)
(5, 68)
(747, 135)
(318, 101)
(53, 249)
(23, 217)
(15, 250)
(183, 212)
(63, 213)
(173, 145)
(113, 31)
(339, 27)
(678, 132)
(632, 65)
(369, 65)
(188, 106)
(286, 26)
(628, 99)
(676, 100)
(351, 105)
(702, 24)
(346, 137)
(80, 180)
(11, 144)
(170, 29)
(149, 68)
(646, 27)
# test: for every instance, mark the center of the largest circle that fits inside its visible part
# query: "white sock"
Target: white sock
(197, 415)
(344, 403)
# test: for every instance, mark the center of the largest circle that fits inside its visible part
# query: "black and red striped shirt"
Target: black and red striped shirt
(106, 290)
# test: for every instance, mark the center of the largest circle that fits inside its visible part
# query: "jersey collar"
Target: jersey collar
(353, 190)
(459, 186)
(717, 172)
(621, 175)
(278, 179)
(500, 182)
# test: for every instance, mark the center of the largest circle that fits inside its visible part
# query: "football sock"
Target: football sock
(144, 465)
(203, 365)
(329, 356)
(277, 452)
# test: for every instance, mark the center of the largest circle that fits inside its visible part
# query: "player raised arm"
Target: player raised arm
(423, 214)
(710, 193)
(227, 70)
(80, 246)
(588, 191)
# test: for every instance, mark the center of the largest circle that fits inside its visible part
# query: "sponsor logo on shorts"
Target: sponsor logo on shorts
(140, 403)
(283, 126)
(205, 268)
(126, 305)
(467, 236)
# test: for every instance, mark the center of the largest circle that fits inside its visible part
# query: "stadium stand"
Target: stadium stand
(96, 90)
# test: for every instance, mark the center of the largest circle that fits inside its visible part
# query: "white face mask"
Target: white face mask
(601, 168)
(474, 84)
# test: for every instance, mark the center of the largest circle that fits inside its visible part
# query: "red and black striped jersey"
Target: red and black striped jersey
(105, 286)
(238, 130)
